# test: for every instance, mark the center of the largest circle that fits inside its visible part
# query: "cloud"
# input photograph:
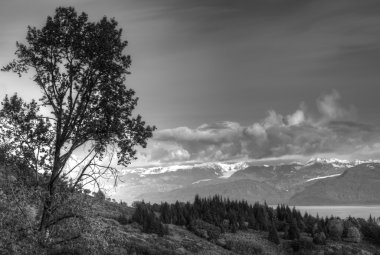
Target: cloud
(301, 133)
(297, 118)
(328, 106)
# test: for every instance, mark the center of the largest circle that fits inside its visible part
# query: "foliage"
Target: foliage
(122, 219)
(25, 139)
(353, 235)
(18, 220)
(145, 216)
(335, 229)
(204, 229)
(80, 68)
(273, 234)
(370, 230)
(319, 238)
(244, 247)
(293, 233)
(302, 246)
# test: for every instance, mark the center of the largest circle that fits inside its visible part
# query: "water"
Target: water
(342, 211)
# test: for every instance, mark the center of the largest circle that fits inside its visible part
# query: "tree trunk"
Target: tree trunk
(49, 197)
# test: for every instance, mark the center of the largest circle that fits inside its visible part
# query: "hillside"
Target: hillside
(204, 226)
(357, 185)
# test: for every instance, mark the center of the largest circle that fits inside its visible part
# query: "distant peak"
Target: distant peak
(327, 161)
(340, 162)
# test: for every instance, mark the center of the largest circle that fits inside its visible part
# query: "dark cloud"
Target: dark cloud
(202, 61)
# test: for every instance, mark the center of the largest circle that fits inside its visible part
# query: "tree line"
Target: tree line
(233, 215)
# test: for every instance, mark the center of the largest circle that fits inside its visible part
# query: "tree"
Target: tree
(26, 136)
(294, 232)
(273, 234)
(80, 67)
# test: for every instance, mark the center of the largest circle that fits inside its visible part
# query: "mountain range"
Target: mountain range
(316, 182)
(357, 185)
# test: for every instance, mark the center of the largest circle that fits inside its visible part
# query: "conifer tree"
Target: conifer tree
(273, 234)
(294, 232)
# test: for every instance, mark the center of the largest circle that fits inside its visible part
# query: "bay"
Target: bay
(342, 211)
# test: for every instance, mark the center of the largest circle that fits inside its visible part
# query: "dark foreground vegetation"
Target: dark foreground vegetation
(82, 222)
(210, 217)
(88, 223)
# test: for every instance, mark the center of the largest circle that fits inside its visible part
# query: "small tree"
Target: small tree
(27, 137)
(294, 232)
(80, 67)
(273, 234)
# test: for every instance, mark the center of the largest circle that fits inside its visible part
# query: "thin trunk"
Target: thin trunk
(49, 197)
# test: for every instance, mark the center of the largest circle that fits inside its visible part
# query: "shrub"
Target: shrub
(353, 235)
(302, 246)
(122, 219)
(18, 222)
(335, 229)
(319, 238)
(244, 247)
(371, 231)
(205, 230)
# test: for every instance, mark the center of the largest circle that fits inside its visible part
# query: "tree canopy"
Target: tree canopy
(80, 67)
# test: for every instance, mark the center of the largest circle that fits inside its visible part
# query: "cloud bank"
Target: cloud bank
(332, 129)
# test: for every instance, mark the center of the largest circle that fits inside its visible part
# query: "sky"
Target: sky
(237, 80)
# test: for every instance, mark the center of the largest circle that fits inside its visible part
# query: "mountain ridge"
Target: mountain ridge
(158, 184)
(357, 185)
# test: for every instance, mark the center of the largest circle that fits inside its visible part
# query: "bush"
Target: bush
(303, 245)
(18, 217)
(319, 238)
(122, 219)
(335, 229)
(353, 235)
(371, 232)
(244, 247)
(205, 230)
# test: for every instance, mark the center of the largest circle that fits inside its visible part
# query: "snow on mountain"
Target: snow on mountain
(370, 161)
(338, 163)
(322, 177)
(203, 180)
(225, 170)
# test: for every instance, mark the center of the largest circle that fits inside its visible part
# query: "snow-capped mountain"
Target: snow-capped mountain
(184, 181)
(339, 163)
(223, 170)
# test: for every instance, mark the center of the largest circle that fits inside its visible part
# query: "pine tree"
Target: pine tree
(273, 234)
(294, 232)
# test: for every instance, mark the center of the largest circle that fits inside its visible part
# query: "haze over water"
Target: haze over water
(342, 211)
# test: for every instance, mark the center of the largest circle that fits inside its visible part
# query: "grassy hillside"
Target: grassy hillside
(91, 224)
